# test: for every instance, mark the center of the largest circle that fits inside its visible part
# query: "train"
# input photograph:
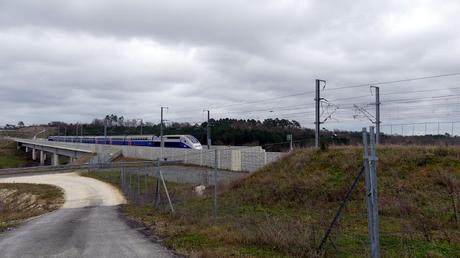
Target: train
(170, 141)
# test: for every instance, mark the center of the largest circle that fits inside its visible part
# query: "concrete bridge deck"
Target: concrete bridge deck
(71, 150)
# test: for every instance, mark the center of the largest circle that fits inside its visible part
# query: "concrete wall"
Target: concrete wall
(236, 158)
(246, 159)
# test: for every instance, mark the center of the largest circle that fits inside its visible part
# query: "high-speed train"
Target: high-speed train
(170, 141)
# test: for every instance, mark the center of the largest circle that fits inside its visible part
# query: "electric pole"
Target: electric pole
(142, 124)
(377, 114)
(162, 143)
(105, 130)
(208, 131)
(317, 111)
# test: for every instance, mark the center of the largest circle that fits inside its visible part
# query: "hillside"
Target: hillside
(9, 157)
(284, 209)
(19, 201)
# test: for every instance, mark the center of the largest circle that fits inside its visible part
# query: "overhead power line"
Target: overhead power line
(329, 89)
(395, 81)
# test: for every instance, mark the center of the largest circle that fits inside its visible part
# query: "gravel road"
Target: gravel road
(88, 224)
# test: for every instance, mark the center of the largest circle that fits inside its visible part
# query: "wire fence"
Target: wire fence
(289, 207)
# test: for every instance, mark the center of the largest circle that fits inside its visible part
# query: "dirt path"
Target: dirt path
(88, 225)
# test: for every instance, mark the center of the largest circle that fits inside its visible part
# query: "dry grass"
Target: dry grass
(29, 132)
(9, 157)
(20, 201)
(283, 209)
(128, 159)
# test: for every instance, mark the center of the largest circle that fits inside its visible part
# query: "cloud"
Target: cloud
(74, 61)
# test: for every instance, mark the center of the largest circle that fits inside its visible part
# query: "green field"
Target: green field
(283, 209)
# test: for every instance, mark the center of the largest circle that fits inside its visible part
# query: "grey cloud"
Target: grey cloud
(82, 59)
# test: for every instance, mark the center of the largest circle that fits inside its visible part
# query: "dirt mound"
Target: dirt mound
(21, 201)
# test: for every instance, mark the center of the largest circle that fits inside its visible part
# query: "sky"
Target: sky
(73, 61)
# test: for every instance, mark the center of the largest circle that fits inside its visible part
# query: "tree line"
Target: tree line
(270, 133)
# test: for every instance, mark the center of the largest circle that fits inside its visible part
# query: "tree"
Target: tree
(20, 124)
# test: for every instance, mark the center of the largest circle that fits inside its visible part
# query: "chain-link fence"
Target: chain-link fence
(288, 206)
(151, 182)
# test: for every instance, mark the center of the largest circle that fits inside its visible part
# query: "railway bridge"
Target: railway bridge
(41, 148)
(234, 158)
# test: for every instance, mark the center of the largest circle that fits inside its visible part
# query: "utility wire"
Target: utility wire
(329, 89)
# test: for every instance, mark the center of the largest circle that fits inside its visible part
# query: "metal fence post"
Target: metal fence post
(368, 190)
(121, 179)
(157, 190)
(130, 186)
(145, 181)
(138, 186)
(373, 183)
(201, 157)
(166, 192)
(216, 182)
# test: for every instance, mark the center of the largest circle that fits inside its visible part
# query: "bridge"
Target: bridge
(43, 147)
(234, 158)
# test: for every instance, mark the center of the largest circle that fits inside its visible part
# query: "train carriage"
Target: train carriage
(170, 141)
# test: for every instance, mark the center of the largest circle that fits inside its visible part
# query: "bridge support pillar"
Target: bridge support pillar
(42, 157)
(27, 149)
(18, 146)
(55, 159)
(34, 154)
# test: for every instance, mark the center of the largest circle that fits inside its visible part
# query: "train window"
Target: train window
(173, 137)
(192, 139)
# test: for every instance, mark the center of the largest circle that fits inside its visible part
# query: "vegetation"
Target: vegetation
(20, 201)
(9, 158)
(225, 131)
(283, 209)
(270, 133)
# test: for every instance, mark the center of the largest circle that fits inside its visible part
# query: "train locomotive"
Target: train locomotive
(170, 141)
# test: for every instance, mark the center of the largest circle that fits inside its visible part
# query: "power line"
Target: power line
(395, 81)
(329, 89)
(397, 93)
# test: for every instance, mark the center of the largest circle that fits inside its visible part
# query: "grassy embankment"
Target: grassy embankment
(20, 201)
(283, 209)
(9, 157)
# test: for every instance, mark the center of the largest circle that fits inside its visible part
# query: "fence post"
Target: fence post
(138, 186)
(130, 186)
(214, 213)
(370, 172)
(368, 190)
(157, 190)
(145, 182)
(166, 192)
(373, 183)
(201, 157)
(121, 179)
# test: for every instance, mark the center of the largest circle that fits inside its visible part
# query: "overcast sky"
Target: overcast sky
(76, 60)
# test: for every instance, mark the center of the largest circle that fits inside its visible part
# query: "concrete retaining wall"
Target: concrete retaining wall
(246, 159)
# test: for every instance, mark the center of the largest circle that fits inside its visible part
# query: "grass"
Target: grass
(9, 157)
(283, 209)
(19, 201)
